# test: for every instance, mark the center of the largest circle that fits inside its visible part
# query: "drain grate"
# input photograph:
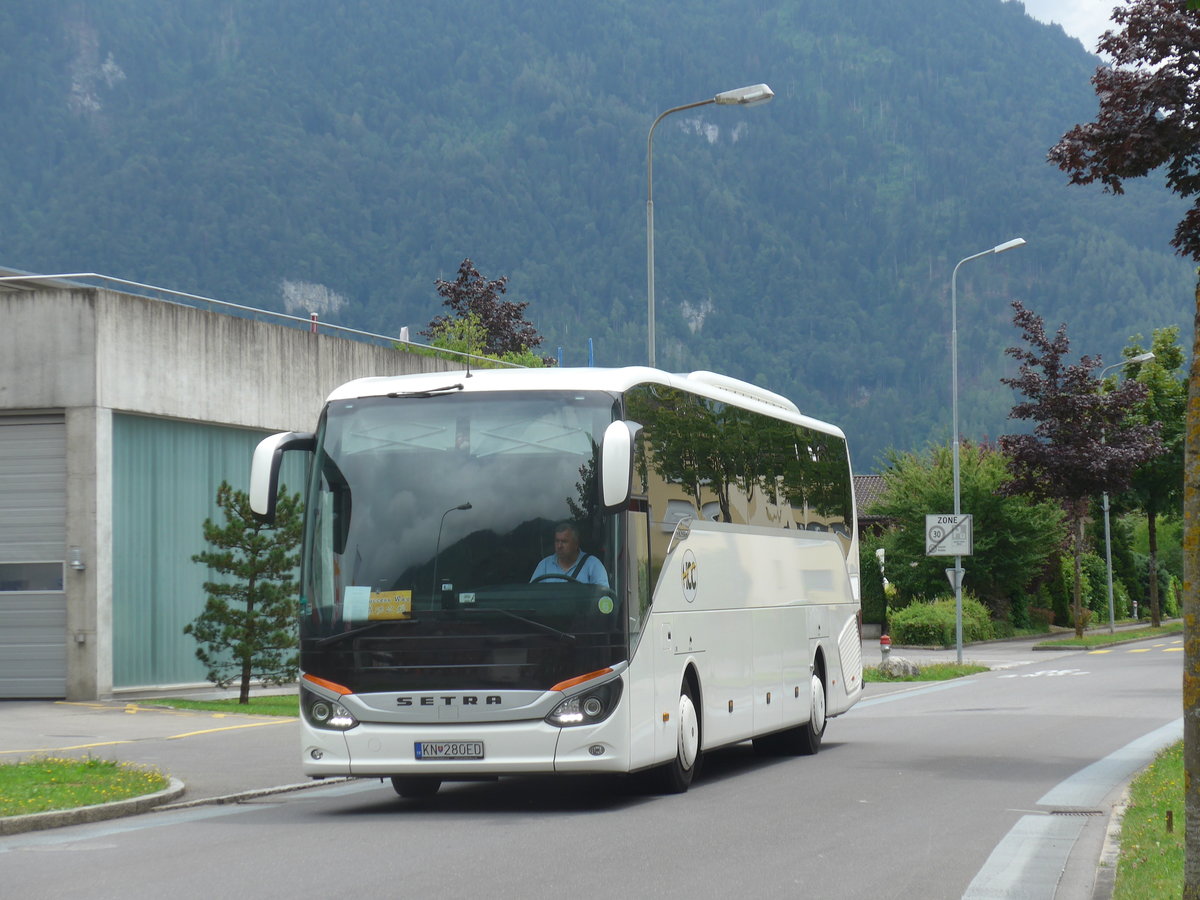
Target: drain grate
(1074, 811)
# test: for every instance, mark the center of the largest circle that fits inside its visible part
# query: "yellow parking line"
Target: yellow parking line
(275, 720)
(1172, 650)
(1094, 652)
(1141, 650)
(278, 720)
(75, 747)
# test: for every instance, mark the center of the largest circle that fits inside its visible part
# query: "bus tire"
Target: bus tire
(676, 776)
(415, 787)
(807, 738)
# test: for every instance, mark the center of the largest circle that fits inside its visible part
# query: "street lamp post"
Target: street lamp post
(1112, 621)
(958, 571)
(747, 96)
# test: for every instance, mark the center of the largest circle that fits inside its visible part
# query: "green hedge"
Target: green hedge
(926, 623)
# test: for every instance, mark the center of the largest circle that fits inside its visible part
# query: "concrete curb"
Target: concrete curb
(1110, 853)
(98, 813)
(159, 802)
(1105, 646)
(243, 796)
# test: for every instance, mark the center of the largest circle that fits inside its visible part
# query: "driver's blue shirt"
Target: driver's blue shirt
(591, 572)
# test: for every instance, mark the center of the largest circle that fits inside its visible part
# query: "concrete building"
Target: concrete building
(120, 415)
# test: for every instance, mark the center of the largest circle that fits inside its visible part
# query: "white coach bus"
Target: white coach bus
(568, 571)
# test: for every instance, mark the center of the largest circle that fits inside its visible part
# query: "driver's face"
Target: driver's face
(566, 546)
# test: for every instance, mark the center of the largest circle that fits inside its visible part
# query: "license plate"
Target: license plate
(448, 749)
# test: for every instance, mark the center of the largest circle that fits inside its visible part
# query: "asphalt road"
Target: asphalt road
(996, 785)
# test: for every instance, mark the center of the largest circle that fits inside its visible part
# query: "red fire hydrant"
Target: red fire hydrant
(885, 646)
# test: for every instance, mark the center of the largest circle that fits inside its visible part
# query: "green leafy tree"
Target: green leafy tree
(1014, 536)
(468, 335)
(1158, 483)
(1084, 441)
(248, 627)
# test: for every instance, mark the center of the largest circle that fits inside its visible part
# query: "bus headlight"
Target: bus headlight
(587, 707)
(327, 714)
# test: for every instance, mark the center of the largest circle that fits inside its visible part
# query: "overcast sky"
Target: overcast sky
(1084, 19)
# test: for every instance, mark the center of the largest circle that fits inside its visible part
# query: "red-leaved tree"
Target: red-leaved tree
(1083, 442)
(505, 327)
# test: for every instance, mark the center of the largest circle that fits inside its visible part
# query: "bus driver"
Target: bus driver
(569, 561)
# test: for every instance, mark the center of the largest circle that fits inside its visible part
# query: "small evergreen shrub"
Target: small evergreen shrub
(1018, 610)
(1170, 598)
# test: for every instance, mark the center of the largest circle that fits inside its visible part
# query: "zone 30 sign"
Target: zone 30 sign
(948, 535)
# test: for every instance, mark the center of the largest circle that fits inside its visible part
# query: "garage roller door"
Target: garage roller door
(33, 604)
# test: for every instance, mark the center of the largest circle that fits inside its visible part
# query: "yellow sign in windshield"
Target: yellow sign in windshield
(390, 605)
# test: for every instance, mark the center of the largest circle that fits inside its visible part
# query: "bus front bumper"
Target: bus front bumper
(512, 748)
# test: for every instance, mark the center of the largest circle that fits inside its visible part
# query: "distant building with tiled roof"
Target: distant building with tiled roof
(867, 490)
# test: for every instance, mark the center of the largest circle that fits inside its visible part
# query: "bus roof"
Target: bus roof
(707, 384)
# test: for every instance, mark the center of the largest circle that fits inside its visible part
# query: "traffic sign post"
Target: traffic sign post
(948, 535)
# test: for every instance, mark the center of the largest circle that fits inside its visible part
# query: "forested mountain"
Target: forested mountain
(244, 150)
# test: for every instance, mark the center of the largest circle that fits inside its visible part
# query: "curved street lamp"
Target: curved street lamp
(1112, 621)
(958, 572)
(746, 96)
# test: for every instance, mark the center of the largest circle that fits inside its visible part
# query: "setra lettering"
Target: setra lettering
(451, 700)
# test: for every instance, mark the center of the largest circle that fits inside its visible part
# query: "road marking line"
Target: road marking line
(75, 747)
(278, 721)
(170, 737)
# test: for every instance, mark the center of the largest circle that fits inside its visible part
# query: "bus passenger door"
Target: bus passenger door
(635, 569)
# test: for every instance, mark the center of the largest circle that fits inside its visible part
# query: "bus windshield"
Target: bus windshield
(429, 551)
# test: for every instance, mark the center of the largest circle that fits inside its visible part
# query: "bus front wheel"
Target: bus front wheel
(415, 787)
(676, 776)
(809, 735)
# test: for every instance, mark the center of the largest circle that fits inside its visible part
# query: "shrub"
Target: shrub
(871, 582)
(925, 622)
(1018, 610)
(1095, 583)
(1170, 598)
(1041, 618)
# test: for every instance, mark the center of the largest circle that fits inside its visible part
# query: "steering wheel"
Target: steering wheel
(605, 590)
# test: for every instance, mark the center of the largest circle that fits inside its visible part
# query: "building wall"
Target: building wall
(104, 360)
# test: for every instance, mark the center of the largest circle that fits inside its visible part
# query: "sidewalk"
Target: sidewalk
(212, 757)
(999, 654)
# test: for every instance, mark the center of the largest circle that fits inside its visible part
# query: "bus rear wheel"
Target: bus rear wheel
(676, 776)
(415, 787)
(803, 740)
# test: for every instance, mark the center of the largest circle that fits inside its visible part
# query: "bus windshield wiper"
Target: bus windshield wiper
(407, 395)
(355, 632)
(549, 629)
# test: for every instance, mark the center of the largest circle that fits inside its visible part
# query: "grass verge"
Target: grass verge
(1101, 639)
(51, 783)
(1151, 861)
(932, 672)
(272, 705)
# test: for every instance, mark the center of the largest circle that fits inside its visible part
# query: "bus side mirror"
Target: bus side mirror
(264, 470)
(616, 464)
